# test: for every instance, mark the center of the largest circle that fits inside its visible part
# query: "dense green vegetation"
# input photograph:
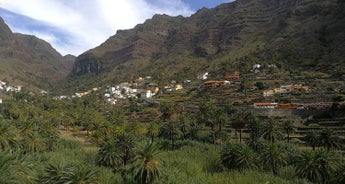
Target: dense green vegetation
(213, 145)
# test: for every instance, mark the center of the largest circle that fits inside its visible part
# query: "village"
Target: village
(255, 85)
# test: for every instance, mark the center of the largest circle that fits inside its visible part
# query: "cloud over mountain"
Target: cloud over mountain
(78, 25)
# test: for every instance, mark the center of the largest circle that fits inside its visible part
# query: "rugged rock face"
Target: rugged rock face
(141, 43)
(29, 61)
(297, 33)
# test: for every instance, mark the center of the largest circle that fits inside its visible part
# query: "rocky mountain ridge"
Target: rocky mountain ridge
(29, 61)
(295, 34)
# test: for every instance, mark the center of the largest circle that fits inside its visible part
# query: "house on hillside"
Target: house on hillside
(268, 93)
(285, 89)
(256, 68)
(264, 105)
(0, 101)
(187, 81)
(18, 88)
(146, 94)
(178, 87)
(10, 89)
(276, 90)
(203, 76)
(300, 87)
(43, 92)
(2, 83)
(215, 84)
(233, 77)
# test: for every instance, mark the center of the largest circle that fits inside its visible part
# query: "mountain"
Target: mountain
(29, 61)
(297, 35)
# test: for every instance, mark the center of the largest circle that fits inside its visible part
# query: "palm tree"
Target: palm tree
(184, 125)
(137, 129)
(34, 142)
(145, 168)
(8, 135)
(153, 130)
(167, 110)
(220, 118)
(206, 112)
(254, 126)
(66, 173)
(171, 131)
(288, 128)
(329, 139)
(193, 128)
(105, 129)
(49, 133)
(80, 175)
(125, 145)
(273, 157)
(340, 174)
(118, 130)
(239, 122)
(15, 167)
(312, 138)
(257, 144)
(54, 173)
(108, 154)
(271, 130)
(316, 166)
(211, 119)
(238, 156)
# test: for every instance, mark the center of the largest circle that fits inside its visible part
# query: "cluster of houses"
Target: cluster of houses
(218, 83)
(129, 90)
(6, 88)
(267, 69)
(285, 90)
(142, 88)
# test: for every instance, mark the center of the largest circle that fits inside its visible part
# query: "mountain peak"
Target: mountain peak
(29, 61)
(5, 32)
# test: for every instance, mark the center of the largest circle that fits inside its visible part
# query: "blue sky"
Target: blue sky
(75, 26)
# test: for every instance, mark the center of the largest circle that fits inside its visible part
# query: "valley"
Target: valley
(251, 91)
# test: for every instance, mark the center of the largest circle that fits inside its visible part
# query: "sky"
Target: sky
(75, 26)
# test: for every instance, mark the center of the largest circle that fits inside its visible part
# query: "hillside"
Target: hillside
(296, 35)
(29, 61)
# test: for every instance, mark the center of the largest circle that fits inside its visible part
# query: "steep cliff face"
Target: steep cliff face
(138, 44)
(297, 33)
(29, 61)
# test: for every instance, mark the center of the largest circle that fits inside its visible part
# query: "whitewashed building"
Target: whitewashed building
(146, 94)
(203, 76)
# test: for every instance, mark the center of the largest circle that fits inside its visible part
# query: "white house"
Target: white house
(10, 89)
(267, 93)
(187, 81)
(256, 66)
(0, 101)
(2, 83)
(203, 76)
(146, 94)
(285, 89)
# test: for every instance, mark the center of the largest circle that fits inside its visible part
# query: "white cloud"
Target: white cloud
(89, 22)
